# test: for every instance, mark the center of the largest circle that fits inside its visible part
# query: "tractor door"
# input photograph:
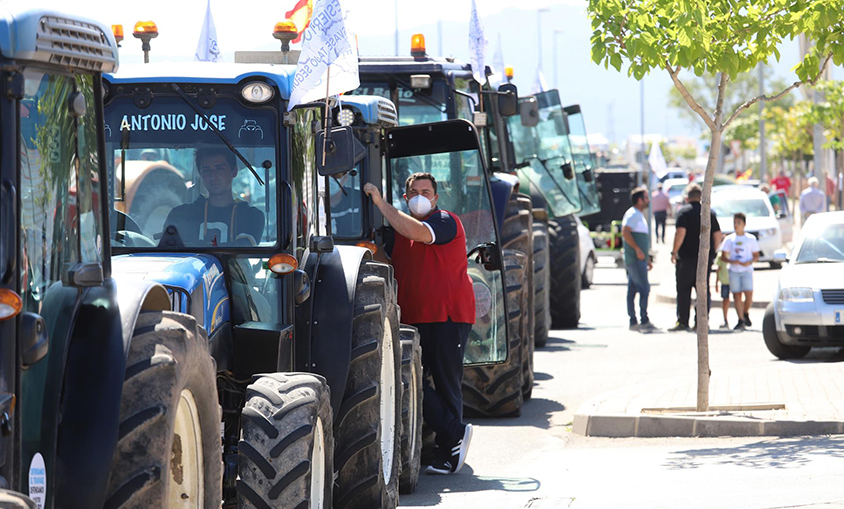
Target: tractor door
(450, 151)
(585, 164)
(543, 154)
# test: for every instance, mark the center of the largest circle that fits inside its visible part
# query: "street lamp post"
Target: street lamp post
(539, 34)
(557, 31)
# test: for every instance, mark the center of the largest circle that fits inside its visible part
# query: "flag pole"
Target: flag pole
(325, 138)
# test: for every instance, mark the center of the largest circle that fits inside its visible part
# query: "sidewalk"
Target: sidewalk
(779, 399)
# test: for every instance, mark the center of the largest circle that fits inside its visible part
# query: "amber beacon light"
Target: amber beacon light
(117, 31)
(145, 31)
(417, 45)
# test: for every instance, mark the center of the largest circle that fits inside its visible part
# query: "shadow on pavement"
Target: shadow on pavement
(542, 377)
(819, 354)
(768, 453)
(536, 412)
(431, 486)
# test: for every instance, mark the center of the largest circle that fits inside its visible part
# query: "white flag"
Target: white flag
(539, 84)
(207, 49)
(498, 58)
(477, 46)
(326, 47)
(657, 160)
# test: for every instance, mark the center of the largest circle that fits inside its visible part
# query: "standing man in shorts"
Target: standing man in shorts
(740, 250)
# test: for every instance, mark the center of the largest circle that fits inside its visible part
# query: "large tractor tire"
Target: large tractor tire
(566, 280)
(541, 283)
(496, 390)
(367, 428)
(772, 339)
(286, 448)
(411, 409)
(517, 235)
(168, 449)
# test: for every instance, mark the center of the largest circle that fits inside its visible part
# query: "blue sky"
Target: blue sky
(248, 26)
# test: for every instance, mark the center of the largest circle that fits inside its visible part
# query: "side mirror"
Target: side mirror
(529, 111)
(780, 256)
(568, 171)
(341, 151)
(508, 100)
(488, 255)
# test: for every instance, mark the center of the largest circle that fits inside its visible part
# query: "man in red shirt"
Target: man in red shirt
(436, 296)
(782, 183)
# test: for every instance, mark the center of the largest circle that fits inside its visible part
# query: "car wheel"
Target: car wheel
(772, 339)
(589, 271)
(776, 265)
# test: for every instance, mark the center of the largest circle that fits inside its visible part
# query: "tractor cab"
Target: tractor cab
(585, 161)
(449, 151)
(544, 154)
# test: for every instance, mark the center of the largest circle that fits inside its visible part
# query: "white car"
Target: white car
(588, 258)
(771, 228)
(808, 308)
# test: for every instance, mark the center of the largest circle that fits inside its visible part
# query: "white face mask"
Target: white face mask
(419, 205)
(333, 186)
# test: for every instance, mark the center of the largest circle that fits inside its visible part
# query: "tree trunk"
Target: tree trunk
(702, 276)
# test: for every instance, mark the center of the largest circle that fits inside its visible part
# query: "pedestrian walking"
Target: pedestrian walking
(722, 280)
(661, 207)
(436, 296)
(637, 263)
(740, 250)
(811, 200)
(782, 183)
(684, 254)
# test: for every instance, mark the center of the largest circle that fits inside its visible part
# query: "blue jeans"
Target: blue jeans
(637, 282)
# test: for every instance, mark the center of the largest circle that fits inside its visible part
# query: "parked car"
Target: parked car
(675, 188)
(808, 308)
(675, 173)
(588, 257)
(770, 228)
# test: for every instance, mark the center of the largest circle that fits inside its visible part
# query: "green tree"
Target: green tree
(721, 39)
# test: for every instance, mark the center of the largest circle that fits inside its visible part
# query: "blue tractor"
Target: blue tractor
(80, 346)
(227, 200)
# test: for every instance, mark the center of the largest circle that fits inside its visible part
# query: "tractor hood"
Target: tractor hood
(197, 279)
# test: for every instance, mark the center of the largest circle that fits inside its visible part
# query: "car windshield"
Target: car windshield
(822, 243)
(170, 169)
(750, 208)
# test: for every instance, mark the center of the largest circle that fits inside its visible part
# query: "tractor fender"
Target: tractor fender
(502, 186)
(334, 279)
(92, 385)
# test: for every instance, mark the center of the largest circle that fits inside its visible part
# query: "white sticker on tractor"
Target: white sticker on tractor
(38, 481)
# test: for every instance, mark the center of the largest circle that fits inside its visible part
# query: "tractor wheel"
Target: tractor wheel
(565, 272)
(411, 409)
(367, 428)
(517, 234)
(541, 283)
(496, 390)
(772, 339)
(286, 448)
(168, 448)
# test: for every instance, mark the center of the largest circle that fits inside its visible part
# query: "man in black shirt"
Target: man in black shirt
(684, 254)
(218, 219)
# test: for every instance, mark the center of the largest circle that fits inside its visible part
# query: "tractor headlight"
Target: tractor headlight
(345, 117)
(797, 294)
(257, 92)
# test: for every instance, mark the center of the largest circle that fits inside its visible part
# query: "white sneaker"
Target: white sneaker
(459, 451)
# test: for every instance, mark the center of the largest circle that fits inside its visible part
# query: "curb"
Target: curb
(670, 299)
(653, 426)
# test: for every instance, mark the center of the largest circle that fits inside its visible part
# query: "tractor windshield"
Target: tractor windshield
(415, 106)
(584, 162)
(171, 172)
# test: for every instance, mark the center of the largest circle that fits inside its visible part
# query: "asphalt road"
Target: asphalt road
(535, 461)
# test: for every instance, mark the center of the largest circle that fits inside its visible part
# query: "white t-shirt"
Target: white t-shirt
(635, 220)
(740, 248)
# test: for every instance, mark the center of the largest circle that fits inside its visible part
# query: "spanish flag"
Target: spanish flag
(301, 16)
(744, 176)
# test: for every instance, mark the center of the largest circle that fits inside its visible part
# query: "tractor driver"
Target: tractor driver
(437, 297)
(218, 218)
